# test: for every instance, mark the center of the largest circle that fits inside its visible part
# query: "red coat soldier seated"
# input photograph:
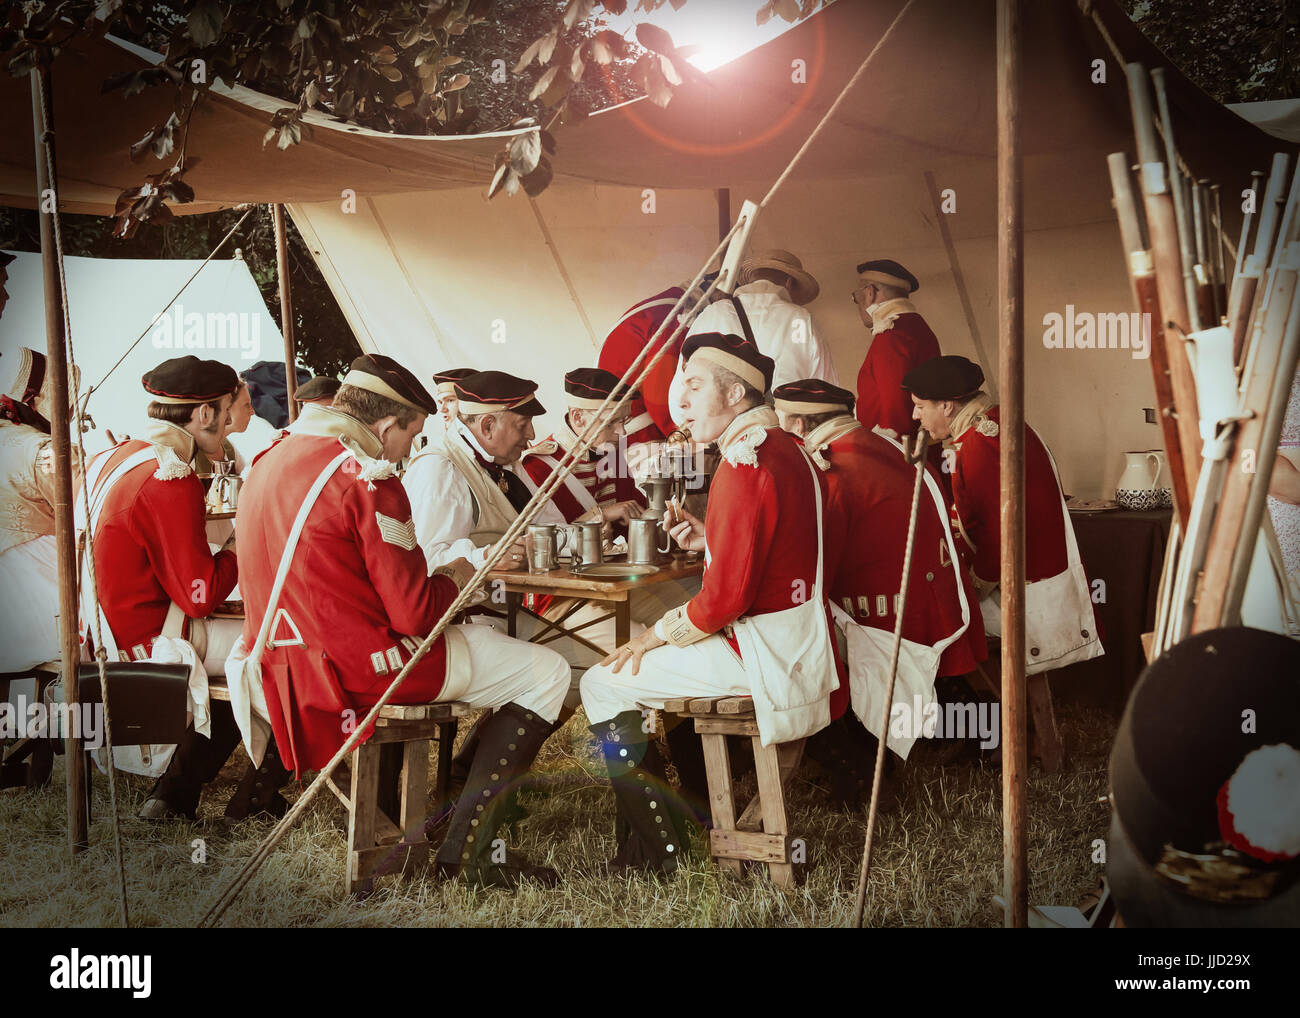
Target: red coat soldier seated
(758, 627)
(1060, 622)
(600, 487)
(870, 501)
(154, 568)
(359, 597)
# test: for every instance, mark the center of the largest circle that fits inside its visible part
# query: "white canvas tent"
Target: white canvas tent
(427, 270)
(112, 301)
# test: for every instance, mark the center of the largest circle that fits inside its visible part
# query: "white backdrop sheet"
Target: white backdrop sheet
(112, 301)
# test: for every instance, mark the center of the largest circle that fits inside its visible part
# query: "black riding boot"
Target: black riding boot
(198, 760)
(508, 740)
(464, 758)
(846, 751)
(657, 825)
(259, 790)
(688, 757)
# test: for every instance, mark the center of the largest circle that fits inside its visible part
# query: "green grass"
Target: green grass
(937, 860)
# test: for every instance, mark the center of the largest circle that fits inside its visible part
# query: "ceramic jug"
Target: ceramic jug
(1137, 488)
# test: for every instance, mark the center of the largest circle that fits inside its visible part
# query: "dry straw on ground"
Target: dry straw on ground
(938, 861)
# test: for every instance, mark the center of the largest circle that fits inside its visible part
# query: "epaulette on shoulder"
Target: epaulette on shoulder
(370, 469)
(987, 426)
(170, 466)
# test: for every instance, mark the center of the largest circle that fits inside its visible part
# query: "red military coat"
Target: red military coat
(151, 547)
(649, 420)
(762, 542)
(882, 401)
(357, 600)
(870, 505)
(977, 504)
(603, 475)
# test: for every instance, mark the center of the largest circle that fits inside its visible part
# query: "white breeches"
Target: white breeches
(504, 670)
(222, 634)
(707, 668)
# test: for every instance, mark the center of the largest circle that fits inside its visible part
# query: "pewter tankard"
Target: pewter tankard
(643, 548)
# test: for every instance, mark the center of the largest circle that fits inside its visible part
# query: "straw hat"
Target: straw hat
(24, 380)
(803, 287)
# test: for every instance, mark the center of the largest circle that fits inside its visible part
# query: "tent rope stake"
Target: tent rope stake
(632, 378)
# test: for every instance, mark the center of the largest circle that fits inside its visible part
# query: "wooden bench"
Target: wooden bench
(387, 782)
(761, 833)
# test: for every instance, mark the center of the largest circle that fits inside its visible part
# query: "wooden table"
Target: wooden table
(582, 590)
(1126, 550)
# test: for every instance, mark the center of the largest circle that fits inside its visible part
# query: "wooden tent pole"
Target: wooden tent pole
(959, 280)
(56, 374)
(286, 307)
(1011, 364)
(723, 195)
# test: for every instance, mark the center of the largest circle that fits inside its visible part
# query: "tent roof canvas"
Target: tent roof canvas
(927, 99)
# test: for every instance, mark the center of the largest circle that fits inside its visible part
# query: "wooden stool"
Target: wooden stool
(27, 762)
(762, 832)
(375, 839)
(1045, 735)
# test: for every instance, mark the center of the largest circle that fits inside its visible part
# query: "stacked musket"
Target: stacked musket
(1223, 356)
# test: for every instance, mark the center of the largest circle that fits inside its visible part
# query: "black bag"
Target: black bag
(147, 702)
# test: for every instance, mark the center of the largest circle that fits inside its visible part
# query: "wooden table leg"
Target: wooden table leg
(513, 602)
(1048, 745)
(622, 622)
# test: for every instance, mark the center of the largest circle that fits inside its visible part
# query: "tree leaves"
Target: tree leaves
(652, 37)
(544, 82)
(606, 47)
(788, 10)
(525, 152)
(204, 22)
(146, 203)
(537, 181)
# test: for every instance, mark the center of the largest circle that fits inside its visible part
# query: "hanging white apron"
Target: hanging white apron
(870, 650)
(170, 647)
(1060, 628)
(244, 666)
(789, 659)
